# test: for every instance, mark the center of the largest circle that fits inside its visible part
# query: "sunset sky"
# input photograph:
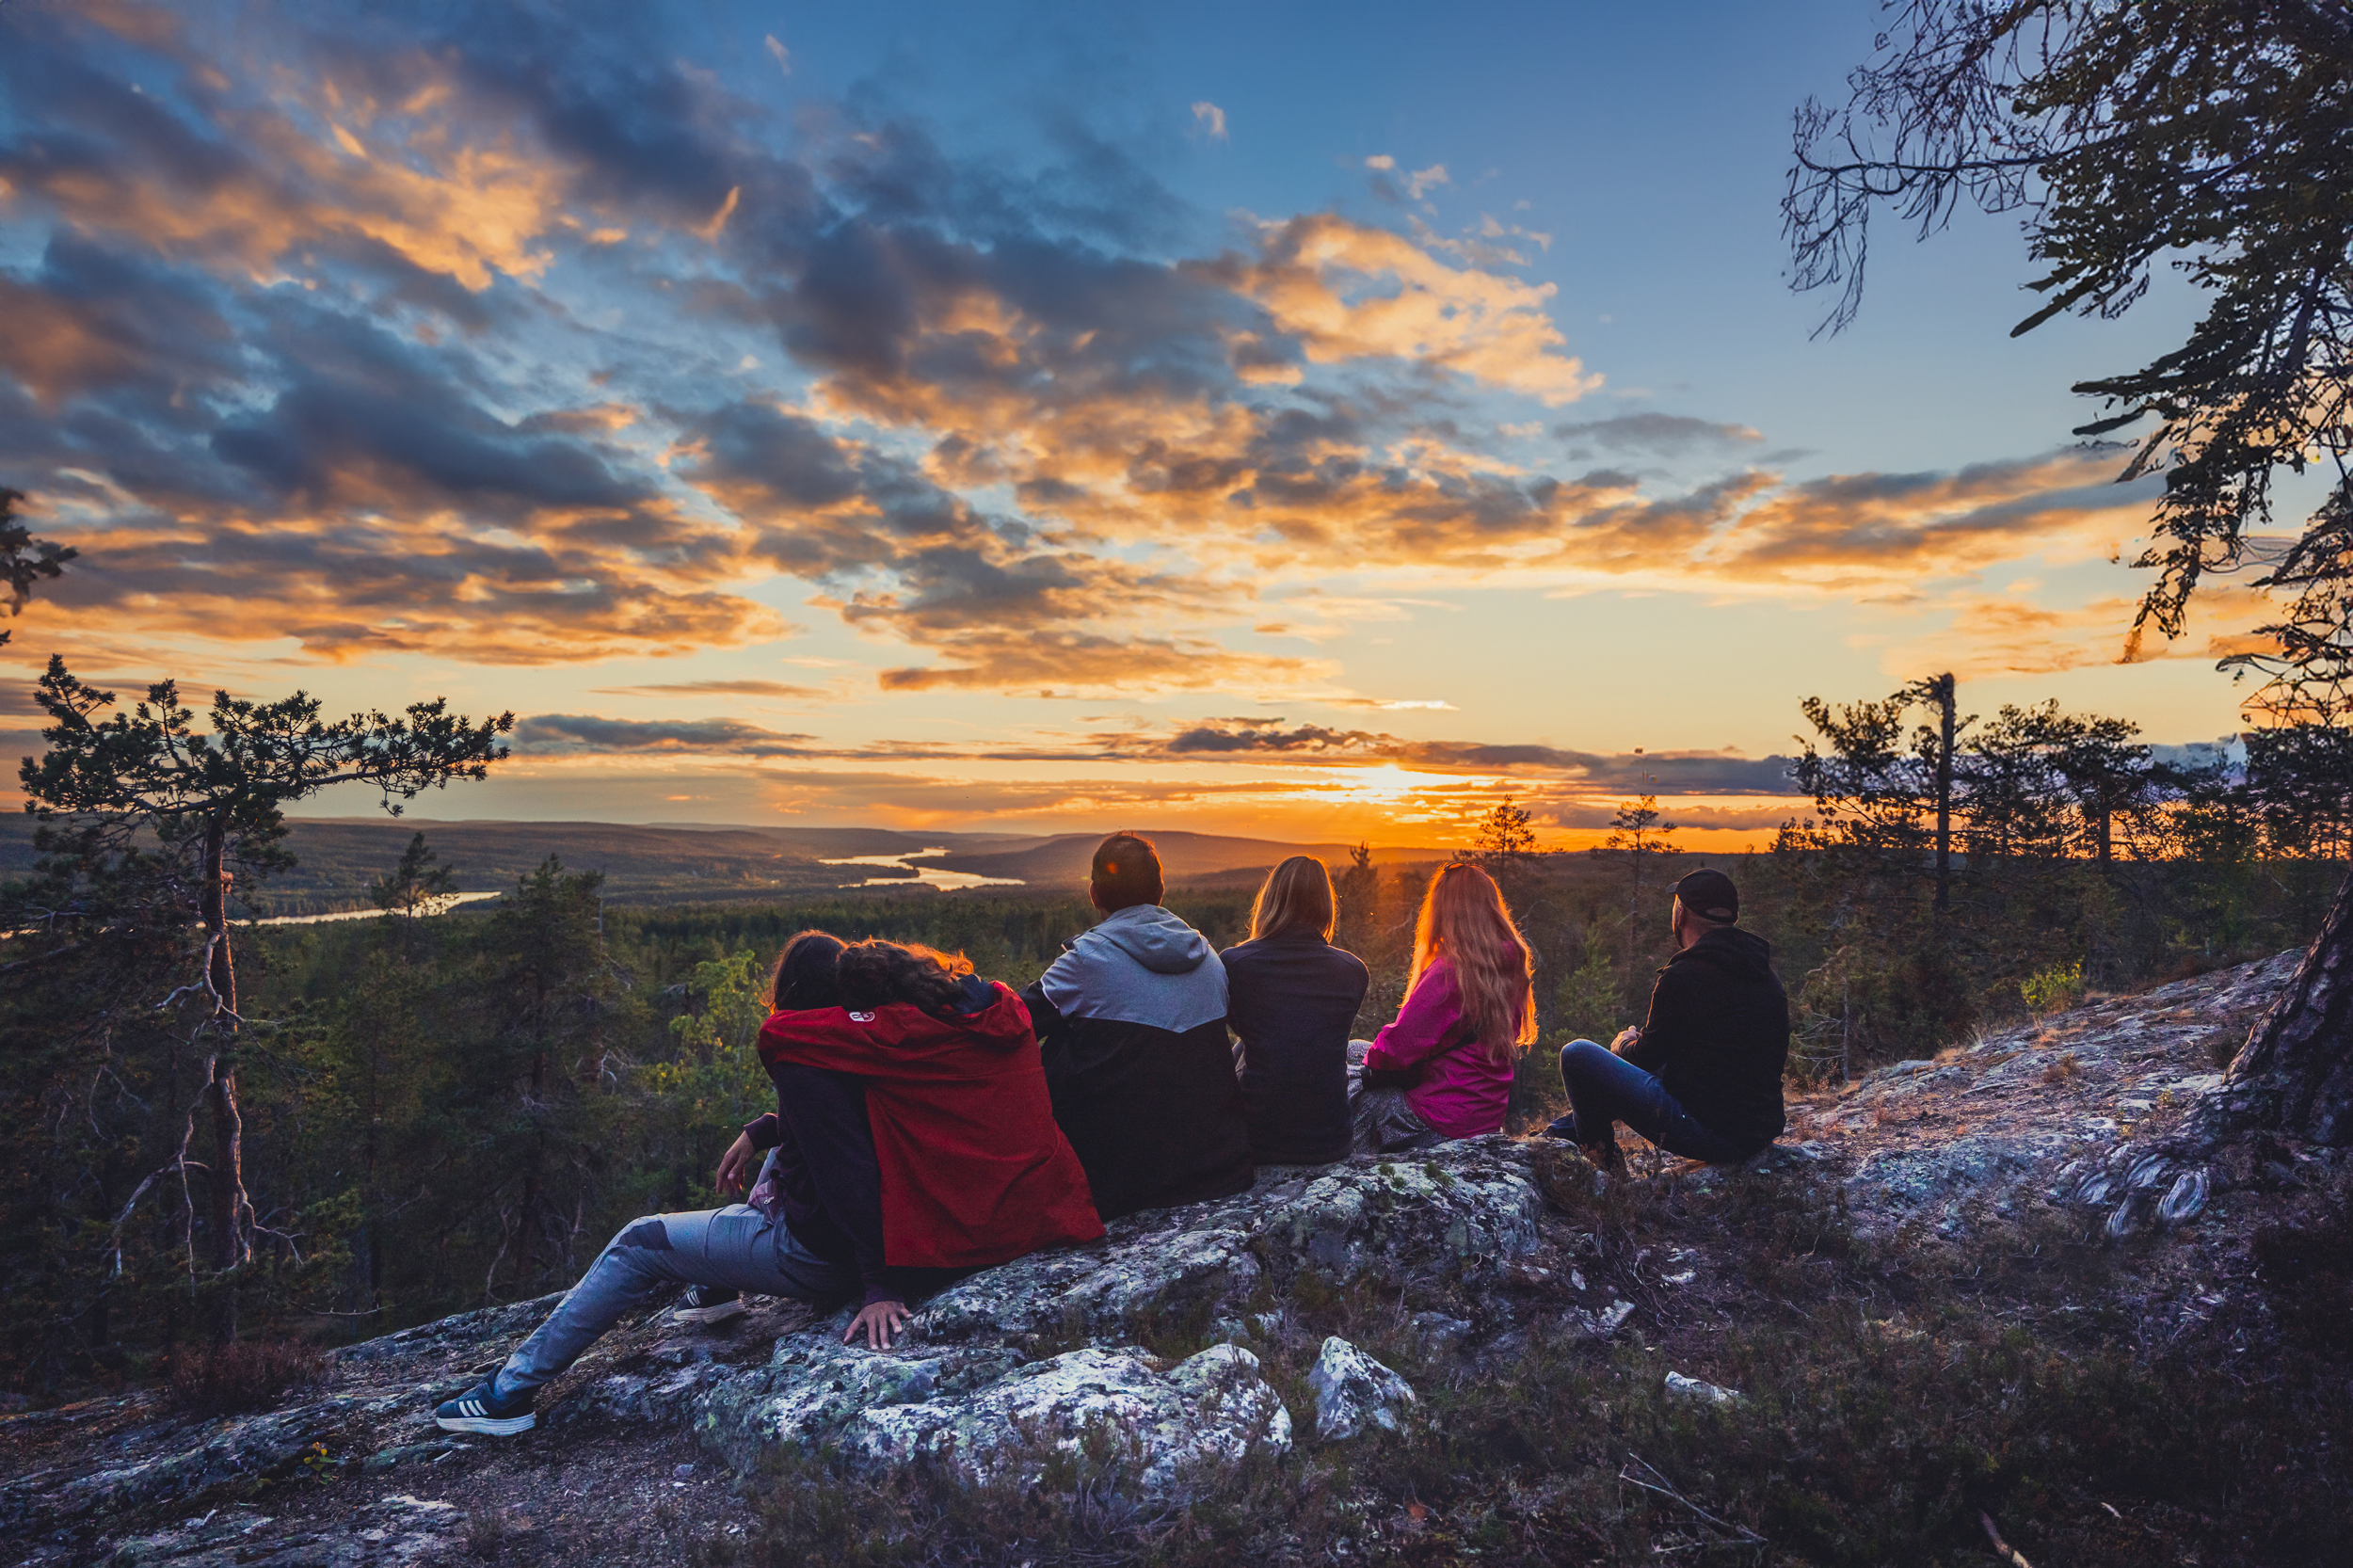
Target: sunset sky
(1303, 421)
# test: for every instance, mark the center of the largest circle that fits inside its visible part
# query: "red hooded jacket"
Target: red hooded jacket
(974, 1171)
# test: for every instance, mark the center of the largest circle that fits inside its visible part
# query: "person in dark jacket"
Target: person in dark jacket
(1291, 997)
(1131, 1019)
(813, 1231)
(1702, 1077)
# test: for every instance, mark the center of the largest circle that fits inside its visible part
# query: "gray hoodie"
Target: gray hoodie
(1142, 965)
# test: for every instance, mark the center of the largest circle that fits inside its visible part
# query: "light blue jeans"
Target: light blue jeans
(735, 1248)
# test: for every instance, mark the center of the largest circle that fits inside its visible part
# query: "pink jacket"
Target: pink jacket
(1466, 1092)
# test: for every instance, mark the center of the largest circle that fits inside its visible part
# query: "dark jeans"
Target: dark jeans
(1605, 1089)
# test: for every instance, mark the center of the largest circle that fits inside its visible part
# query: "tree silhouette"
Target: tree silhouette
(2214, 136)
(1504, 835)
(23, 559)
(146, 823)
(1638, 832)
(415, 885)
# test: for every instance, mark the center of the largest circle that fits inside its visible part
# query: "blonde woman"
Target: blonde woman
(1443, 1068)
(1290, 997)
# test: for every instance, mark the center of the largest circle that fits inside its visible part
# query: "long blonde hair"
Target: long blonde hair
(1296, 896)
(1465, 920)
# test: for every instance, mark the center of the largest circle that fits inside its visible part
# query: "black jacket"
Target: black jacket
(1291, 1000)
(1718, 1034)
(1154, 1115)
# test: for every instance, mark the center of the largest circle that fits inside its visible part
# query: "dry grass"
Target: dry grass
(254, 1374)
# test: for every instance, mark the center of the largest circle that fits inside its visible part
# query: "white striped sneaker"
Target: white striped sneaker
(705, 1303)
(477, 1409)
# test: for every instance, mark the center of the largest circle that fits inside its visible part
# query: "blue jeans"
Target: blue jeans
(1605, 1089)
(735, 1248)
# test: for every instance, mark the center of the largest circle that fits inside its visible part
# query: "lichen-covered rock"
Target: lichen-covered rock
(1698, 1391)
(1354, 1391)
(1109, 1410)
(1935, 1185)
(396, 1530)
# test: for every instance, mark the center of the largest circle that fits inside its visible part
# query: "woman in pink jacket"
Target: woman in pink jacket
(1443, 1068)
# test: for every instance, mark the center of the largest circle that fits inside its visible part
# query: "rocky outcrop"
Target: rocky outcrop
(995, 1377)
(2062, 1110)
(1452, 1217)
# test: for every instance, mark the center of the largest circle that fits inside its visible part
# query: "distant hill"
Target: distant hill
(1189, 857)
(692, 863)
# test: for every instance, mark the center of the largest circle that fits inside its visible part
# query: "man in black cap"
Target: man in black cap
(1702, 1077)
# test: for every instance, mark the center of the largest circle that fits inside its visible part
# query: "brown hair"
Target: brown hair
(1126, 871)
(1465, 920)
(1296, 896)
(875, 973)
(806, 974)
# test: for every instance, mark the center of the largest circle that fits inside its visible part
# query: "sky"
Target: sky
(1312, 421)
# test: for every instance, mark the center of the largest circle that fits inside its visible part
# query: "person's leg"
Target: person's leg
(733, 1248)
(1602, 1085)
(1605, 1089)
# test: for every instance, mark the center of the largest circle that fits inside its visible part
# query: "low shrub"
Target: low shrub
(223, 1380)
(2054, 989)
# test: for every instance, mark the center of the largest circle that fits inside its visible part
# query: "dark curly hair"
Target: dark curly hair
(875, 973)
(807, 974)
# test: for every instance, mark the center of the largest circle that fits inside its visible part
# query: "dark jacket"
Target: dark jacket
(1131, 1023)
(824, 1182)
(1291, 1000)
(1718, 1035)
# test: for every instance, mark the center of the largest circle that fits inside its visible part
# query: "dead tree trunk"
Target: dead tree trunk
(1940, 692)
(229, 1206)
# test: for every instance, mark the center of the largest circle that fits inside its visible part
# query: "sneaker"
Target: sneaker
(1564, 1128)
(704, 1304)
(480, 1410)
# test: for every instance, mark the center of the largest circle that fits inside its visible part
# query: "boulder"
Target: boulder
(1106, 1410)
(1697, 1392)
(1354, 1391)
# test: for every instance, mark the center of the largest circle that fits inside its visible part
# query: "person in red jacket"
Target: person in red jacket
(964, 1167)
(974, 1169)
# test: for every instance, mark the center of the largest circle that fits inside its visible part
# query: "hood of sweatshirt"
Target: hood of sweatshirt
(1142, 965)
(1154, 938)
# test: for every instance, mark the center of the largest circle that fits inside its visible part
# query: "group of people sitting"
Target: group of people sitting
(929, 1123)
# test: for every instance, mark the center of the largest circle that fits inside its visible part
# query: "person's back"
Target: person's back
(1291, 997)
(1131, 1023)
(1718, 1034)
(974, 1169)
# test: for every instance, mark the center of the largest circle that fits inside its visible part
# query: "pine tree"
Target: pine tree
(146, 823)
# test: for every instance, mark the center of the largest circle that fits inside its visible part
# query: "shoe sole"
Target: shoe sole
(486, 1425)
(719, 1314)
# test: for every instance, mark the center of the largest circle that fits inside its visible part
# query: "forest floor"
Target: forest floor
(1900, 1339)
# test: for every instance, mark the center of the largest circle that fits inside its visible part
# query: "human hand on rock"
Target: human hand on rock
(735, 1166)
(880, 1320)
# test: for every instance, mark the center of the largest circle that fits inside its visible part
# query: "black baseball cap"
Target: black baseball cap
(1710, 893)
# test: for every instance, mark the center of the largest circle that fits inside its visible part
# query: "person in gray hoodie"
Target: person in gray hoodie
(1132, 1022)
